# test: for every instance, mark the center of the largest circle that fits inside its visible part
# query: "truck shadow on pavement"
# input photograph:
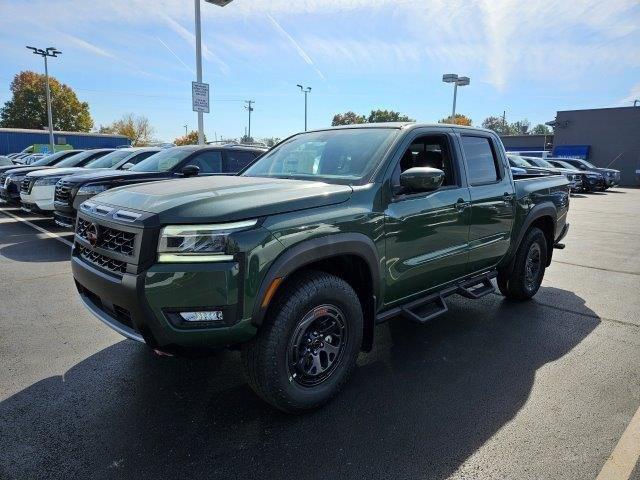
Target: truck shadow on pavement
(424, 400)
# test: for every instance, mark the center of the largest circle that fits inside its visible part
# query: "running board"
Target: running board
(479, 290)
(431, 306)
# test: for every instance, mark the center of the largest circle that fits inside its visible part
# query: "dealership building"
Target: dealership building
(17, 139)
(606, 137)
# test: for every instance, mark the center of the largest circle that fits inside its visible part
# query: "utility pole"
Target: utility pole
(504, 122)
(249, 109)
(48, 52)
(305, 90)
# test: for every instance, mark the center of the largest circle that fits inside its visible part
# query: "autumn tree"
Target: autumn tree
(459, 120)
(138, 129)
(347, 118)
(190, 138)
(28, 105)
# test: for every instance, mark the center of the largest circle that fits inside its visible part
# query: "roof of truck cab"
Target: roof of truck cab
(401, 126)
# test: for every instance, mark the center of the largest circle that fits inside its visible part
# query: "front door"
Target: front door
(492, 201)
(426, 234)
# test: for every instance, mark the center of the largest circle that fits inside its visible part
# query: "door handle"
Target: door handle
(460, 205)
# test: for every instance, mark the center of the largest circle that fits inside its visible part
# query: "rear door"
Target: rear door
(236, 160)
(492, 200)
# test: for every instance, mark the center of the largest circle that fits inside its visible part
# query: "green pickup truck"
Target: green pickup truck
(297, 258)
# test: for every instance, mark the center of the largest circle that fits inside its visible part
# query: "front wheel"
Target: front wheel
(524, 281)
(307, 347)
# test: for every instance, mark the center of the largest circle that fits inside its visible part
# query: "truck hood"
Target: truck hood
(53, 172)
(222, 199)
(108, 175)
(20, 170)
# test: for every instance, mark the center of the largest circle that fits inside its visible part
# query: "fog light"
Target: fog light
(208, 316)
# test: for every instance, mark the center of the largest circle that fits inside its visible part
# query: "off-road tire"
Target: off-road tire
(515, 284)
(265, 357)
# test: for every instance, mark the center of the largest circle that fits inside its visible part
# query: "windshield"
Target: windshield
(540, 162)
(163, 161)
(110, 160)
(519, 161)
(74, 160)
(565, 165)
(338, 156)
(49, 159)
(589, 165)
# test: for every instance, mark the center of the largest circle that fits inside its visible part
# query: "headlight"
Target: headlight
(198, 243)
(41, 182)
(569, 176)
(92, 189)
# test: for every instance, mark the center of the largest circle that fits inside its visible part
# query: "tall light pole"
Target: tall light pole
(185, 130)
(220, 3)
(305, 90)
(457, 82)
(249, 109)
(48, 52)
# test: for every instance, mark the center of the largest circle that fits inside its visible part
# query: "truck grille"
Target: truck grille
(115, 266)
(63, 192)
(110, 239)
(26, 185)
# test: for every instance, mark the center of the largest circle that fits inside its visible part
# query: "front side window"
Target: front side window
(482, 164)
(81, 158)
(426, 151)
(209, 161)
(346, 156)
(109, 160)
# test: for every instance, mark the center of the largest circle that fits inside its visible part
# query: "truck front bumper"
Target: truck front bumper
(40, 198)
(147, 306)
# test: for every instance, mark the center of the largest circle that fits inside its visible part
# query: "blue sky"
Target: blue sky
(528, 58)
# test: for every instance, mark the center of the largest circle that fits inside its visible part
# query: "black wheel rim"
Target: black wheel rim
(317, 345)
(532, 267)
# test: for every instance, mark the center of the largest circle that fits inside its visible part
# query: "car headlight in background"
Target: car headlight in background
(41, 182)
(92, 189)
(570, 176)
(198, 243)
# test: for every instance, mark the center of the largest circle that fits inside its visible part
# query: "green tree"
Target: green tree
(347, 118)
(460, 120)
(381, 116)
(271, 141)
(137, 128)
(497, 125)
(190, 138)
(521, 127)
(28, 105)
(541, 129)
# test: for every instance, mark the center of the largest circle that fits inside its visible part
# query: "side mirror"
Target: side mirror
(422, 179)
(126, 166)
(190, 170)
(581, 167)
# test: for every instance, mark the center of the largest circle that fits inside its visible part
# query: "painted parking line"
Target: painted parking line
(624, 457)
(38, 228)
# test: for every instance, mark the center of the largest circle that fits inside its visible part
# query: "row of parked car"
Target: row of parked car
(58, 183)
(582, 175)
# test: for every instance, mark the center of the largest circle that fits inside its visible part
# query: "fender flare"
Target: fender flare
(321, 248)
(545, 209)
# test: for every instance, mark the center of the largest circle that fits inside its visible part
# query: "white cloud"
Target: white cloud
(634, 94)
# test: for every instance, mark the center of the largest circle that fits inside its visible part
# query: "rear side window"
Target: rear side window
(209, 161)
(482, 164)
(141, 156)
(237, 160)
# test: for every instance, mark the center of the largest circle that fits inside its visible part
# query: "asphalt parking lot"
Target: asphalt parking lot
(492, 389)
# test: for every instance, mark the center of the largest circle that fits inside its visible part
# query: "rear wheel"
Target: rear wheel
(307, 347)
(524, 281)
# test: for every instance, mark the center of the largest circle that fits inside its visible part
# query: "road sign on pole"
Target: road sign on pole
(200, 97)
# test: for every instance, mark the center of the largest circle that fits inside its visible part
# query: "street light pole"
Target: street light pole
(220, 3)
(49, 52)
(250, 109)
(185, 130)
(457, 82)
(305, 90)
